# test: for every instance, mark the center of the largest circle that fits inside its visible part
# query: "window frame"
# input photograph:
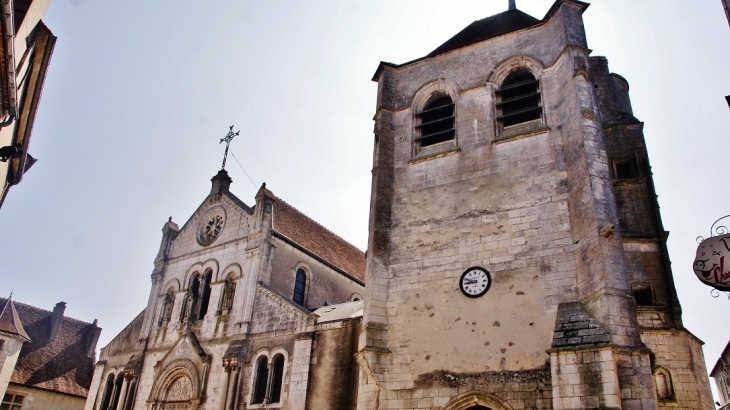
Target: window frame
(270, 357)
(526, 127)
(12, 402)
(305, 286)
(430, 109)
(421, 102)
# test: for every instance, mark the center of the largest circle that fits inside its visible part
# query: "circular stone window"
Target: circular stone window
(211, 227)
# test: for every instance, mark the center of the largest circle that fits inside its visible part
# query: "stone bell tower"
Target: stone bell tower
(499, 274)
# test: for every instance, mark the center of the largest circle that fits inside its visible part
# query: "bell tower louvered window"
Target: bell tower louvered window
(436, 122)
(519, 99)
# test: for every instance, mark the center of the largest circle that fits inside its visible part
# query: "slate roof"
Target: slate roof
(484, 29)
(9, 321)
(61, 365)
(301, 229)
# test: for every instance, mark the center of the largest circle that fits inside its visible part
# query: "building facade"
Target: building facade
(516, 257)
(721, 373)
(27, 46)
(46, 358)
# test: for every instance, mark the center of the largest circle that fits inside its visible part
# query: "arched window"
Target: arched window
(108, 390)
(277, 367)
(229, 292)
(436, 123)
(300, 287)
(261, 381)
(204, 294)
(663, 381)
(519, 99)
(167, 306)
(117, 390)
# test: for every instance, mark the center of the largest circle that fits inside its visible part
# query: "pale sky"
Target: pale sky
(139, 93)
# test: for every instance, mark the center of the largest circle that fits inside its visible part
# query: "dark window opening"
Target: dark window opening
(299, 287)
(437, 122)
(278, 378)
(623, 168)
(643, 296)
(117, 390)
(12, 401)
(519, 99)
(262, 375)
(106, 398)
(204, 294)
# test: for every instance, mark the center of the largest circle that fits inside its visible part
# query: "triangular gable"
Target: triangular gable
(186, 347)
(274, 312)
(233, 209)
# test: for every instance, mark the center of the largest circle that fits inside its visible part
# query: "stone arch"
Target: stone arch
(663, 383)
(429, 91)
(477, 400)
(172, 283)
(174, 381)
(233, 270)
(519, 62)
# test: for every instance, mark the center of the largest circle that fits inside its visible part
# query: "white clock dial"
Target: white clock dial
(475, 282)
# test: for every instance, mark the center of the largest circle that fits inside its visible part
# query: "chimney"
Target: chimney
(56, 318)
(512, 5)
(93, 338)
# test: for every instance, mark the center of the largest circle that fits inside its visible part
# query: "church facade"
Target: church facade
(516, 257)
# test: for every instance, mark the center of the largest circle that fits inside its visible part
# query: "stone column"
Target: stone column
(267, 398)
(123, 393)
(224, 387)
(131, 394)
(233, 381)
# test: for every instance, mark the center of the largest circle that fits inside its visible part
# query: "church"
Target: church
(516, 257)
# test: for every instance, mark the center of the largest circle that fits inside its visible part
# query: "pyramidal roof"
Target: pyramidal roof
(486, 28)
(9, 320)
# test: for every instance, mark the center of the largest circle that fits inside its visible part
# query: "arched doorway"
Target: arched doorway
(477, 400)
(177, 387)
(178, 394)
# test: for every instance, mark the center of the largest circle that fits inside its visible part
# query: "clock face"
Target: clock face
(475, 282)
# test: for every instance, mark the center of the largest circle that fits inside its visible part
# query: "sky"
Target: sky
(139, 93)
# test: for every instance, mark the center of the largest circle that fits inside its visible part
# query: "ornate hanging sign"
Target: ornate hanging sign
(712, 262)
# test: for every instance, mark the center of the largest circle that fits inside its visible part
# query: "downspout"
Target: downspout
(8, 39)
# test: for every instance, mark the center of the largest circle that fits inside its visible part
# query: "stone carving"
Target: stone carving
(229, 292)
(210, 229)
(180, 390)
(182, 349)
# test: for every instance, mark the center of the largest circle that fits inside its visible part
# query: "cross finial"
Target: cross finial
(512, 5)
(228, 139)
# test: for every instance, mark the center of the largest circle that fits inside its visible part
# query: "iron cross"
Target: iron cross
(228, 139)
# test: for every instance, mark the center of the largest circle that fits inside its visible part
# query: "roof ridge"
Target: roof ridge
(50, 312)
(317, 223)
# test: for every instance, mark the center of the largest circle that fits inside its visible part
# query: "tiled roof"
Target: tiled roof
(307, 233)
(61, 365)
(487, 28)
(9, 321)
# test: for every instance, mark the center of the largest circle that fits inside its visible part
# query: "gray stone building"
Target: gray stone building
(516, 257)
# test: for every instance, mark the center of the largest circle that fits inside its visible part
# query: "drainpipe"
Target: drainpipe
(9, 40)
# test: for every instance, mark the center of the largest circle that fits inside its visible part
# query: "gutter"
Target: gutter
(8, 28)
